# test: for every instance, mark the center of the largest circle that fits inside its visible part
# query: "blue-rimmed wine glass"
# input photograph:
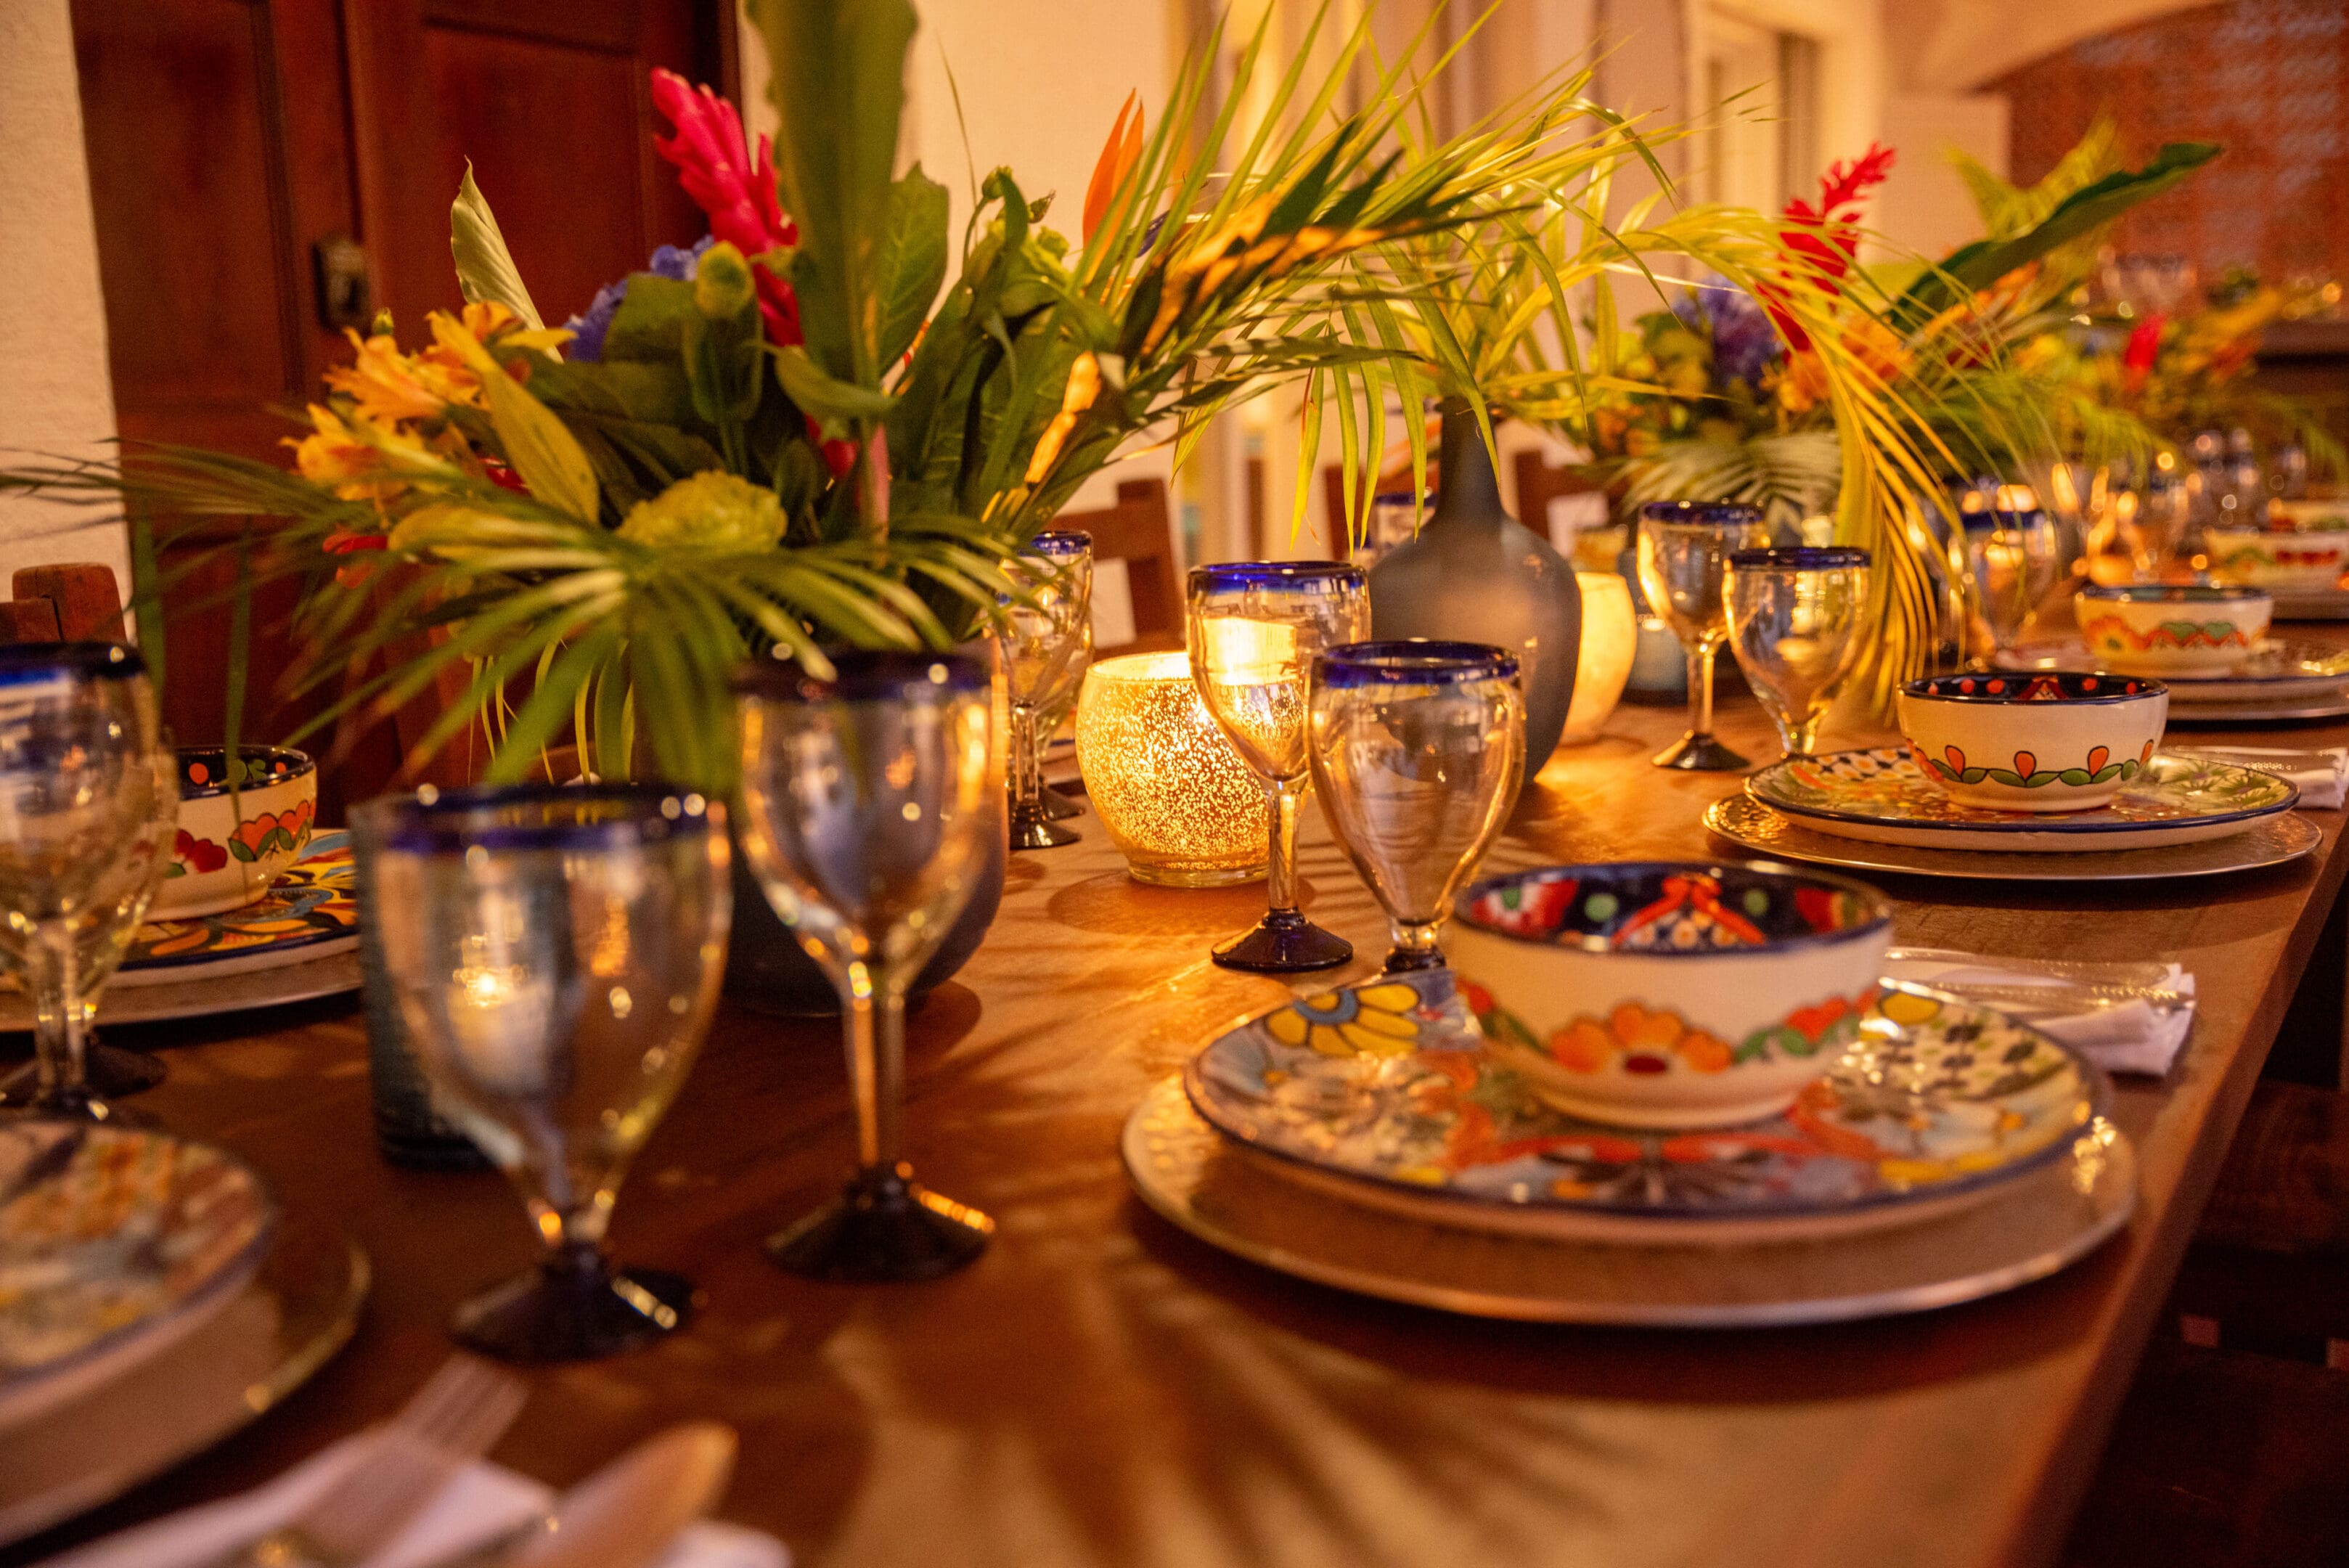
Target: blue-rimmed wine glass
(1684, 549)
(1795, 618)
(2013, 559)
(1417, 750)
(1255, 627)
(82, 761)
(1046, 635)
(865, 815)
(555, 951)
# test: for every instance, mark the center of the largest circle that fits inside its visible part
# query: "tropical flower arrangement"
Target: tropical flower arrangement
(788, 438)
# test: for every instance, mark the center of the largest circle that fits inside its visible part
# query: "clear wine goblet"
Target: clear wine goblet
(865, 815)
(1417, 750)
(103, 932)
(1255, 627)
(555, 951)
(1043, 632)
(2014, 558)
(1685, 548)
(81, 758)
(1793, 626)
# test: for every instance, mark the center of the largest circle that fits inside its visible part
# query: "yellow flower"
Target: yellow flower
(1084, 385)
(388, 386)
(709, 511)
(360, 459)
(1369, 1020)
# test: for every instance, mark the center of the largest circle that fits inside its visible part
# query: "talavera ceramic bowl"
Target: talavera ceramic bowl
(2263, 558)
(1668, 994)
(228, 850)
(2166, 628)
(2063, 741)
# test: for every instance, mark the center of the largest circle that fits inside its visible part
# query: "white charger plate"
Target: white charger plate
(1881, 796)
(2274, 670)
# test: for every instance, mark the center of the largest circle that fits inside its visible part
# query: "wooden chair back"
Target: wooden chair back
(76, 601)
(1138, 535)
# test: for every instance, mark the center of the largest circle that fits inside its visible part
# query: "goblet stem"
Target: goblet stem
(1027, 777)
(1801, 736)
(1700, 684)
(1280, 863)
(59, 1020)
(873, 1026)
(1415, 948)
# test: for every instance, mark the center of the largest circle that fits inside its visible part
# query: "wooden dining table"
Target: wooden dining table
(1100, 1388)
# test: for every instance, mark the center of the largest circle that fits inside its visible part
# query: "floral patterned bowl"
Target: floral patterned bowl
(2059, 741)
(2162, 628)
(2266, 558)
(1662, 994)
(230, 847)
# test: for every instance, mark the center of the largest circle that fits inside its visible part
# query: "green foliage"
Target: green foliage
(485, 268)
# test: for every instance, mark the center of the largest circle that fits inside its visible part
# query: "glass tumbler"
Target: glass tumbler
(1417, 751)
(865, 815)
(1255, 627)
(82, 760)
(1793, 626)
(1046, 634)
(555, 951)
(1684, 549)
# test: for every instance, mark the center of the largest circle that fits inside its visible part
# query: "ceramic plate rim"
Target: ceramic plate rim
(2026, 661)
(2096, 1090)
(2058, 825)
(1716, 820)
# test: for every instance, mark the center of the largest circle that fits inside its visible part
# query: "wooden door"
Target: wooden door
(232, 143)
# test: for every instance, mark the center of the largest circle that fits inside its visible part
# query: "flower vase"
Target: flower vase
(1474, 573)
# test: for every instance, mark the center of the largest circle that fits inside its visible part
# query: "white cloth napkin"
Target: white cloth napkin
(2322, 776)
(484, 1501)
(2134, 1036)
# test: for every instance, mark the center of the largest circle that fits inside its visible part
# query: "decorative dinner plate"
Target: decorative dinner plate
(310, 911)
(122, 1426)
(2273, 670)
(1384, 1091)
(206, 996)
(109, 1234)
(2270, 841)
(1884, 797)
(2047, 1218)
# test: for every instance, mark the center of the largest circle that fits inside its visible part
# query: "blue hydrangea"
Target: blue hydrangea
(591, 325)
(1744, 344)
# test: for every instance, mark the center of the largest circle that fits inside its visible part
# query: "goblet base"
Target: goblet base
(1283, 942)
(108, 1072)
(1036, 833)
(1059, 807)
(1404, 960)
(1701, 753)
(574, 1307)
(886, 1227)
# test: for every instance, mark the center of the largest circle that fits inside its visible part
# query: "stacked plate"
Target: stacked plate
(298, 941)
(1877, 811)
(1364, 1139)
(2280, 681)
(151, 1299)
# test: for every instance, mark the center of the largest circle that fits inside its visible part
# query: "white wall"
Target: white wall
(1924, 207)
(56, 398)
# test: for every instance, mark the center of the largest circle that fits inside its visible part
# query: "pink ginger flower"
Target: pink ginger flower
(714, 165)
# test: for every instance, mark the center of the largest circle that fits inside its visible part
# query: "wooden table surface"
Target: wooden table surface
(1100, 1388)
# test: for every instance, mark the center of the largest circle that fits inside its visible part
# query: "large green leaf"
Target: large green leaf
(485, 268)
(834, 403)
(649, 326)
(1984, 262)
(913, 260)
(838, 72)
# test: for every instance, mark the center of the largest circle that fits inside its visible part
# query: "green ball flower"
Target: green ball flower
(713, 511)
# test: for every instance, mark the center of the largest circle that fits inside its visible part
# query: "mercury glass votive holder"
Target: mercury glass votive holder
(1173, 795)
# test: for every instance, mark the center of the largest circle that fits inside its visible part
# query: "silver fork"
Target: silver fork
(447, 1424)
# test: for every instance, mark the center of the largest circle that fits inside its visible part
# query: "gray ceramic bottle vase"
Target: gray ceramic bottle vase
(1474, 573)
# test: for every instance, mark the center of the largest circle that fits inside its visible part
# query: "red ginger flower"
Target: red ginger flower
(2143, 347)
(714, 165)
(1826, 236)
